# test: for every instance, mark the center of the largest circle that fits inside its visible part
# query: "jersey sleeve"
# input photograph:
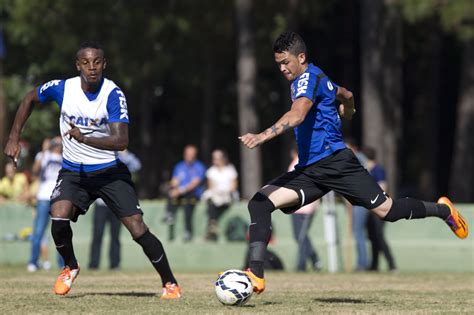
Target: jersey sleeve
(304, 86)
(326, 89)
(52, 91)
(117, 106)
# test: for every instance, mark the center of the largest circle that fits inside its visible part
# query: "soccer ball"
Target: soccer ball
(233, 287)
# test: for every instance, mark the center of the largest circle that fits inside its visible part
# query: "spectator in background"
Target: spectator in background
(359, 215)
(221, 190)
(102, 215)
(14, 185)
(186, 187)
(46, 168)
(301, 220)
(374, 224)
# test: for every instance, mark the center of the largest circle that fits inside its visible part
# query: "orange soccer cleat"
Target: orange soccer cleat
(171, 291)
(257, 283)
(66, 278)
(455, 220)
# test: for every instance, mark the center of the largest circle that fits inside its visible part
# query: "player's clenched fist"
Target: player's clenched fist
(12, 150)
(251, 140)
(75, 133)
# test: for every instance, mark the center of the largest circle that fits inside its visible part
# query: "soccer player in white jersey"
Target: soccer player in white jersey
(94, 127)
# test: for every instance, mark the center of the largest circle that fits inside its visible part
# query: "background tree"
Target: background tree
(251, 178)
(177, 62)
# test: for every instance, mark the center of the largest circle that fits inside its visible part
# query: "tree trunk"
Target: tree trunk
(250, 160)
(381, 83)
(392, 92)
(209, 110)
(3, 117)
(462, 180)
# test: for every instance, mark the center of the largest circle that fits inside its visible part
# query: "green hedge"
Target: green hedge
(423, 245)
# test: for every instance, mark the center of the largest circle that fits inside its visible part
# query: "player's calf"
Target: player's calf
(260, 209)
(409, 208)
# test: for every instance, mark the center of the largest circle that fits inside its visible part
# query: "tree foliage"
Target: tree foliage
(177, 63)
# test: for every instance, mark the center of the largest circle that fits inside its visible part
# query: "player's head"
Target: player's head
(90, 62)
(56, 145)
(190, 153)
(219, 157)
(290, 54)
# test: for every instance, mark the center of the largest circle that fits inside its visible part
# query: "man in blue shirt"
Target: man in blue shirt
(324, 161)
(186, 188)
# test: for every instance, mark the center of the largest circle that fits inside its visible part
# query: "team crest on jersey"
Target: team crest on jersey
(330, 86)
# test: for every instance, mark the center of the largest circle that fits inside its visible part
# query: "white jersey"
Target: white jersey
(222, 178)
(91, 113)
(50, 166)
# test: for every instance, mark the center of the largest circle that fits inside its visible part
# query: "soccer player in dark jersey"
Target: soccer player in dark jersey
(324, 161)
(94, 127)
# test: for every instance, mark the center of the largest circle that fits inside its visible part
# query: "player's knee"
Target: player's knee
(135, 225)
(260, 204)
(61, 209)
(389, 211)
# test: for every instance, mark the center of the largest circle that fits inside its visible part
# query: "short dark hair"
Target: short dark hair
(291, 42)
(90, 44)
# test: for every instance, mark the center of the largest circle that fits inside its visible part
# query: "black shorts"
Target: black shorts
(113, 184)
(341, 172)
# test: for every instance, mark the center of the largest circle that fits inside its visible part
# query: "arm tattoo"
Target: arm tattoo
(286, 126)
(274, 129)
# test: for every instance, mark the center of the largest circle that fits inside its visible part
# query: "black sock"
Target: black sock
(155, 252)
(406, 208)
(409, 208)
(437, 210)
(260, 209)
(62, 235)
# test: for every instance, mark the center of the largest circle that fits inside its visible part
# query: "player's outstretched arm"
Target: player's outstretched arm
(346, 109)
(117, 141)
(12, 148)
(290, 119)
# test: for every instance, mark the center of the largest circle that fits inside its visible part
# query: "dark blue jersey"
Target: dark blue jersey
(319, 135)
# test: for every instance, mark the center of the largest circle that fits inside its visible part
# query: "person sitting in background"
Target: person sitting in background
(221, 190)
(375, 226)
(46, 168)
(14, 185)
(301, 221)
(185, 190)
(102, 215)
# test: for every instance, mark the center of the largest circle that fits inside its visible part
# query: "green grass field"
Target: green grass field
(287, 293)
(436, 272)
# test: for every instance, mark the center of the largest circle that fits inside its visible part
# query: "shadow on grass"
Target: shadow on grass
(133, 294)
(342, 300)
